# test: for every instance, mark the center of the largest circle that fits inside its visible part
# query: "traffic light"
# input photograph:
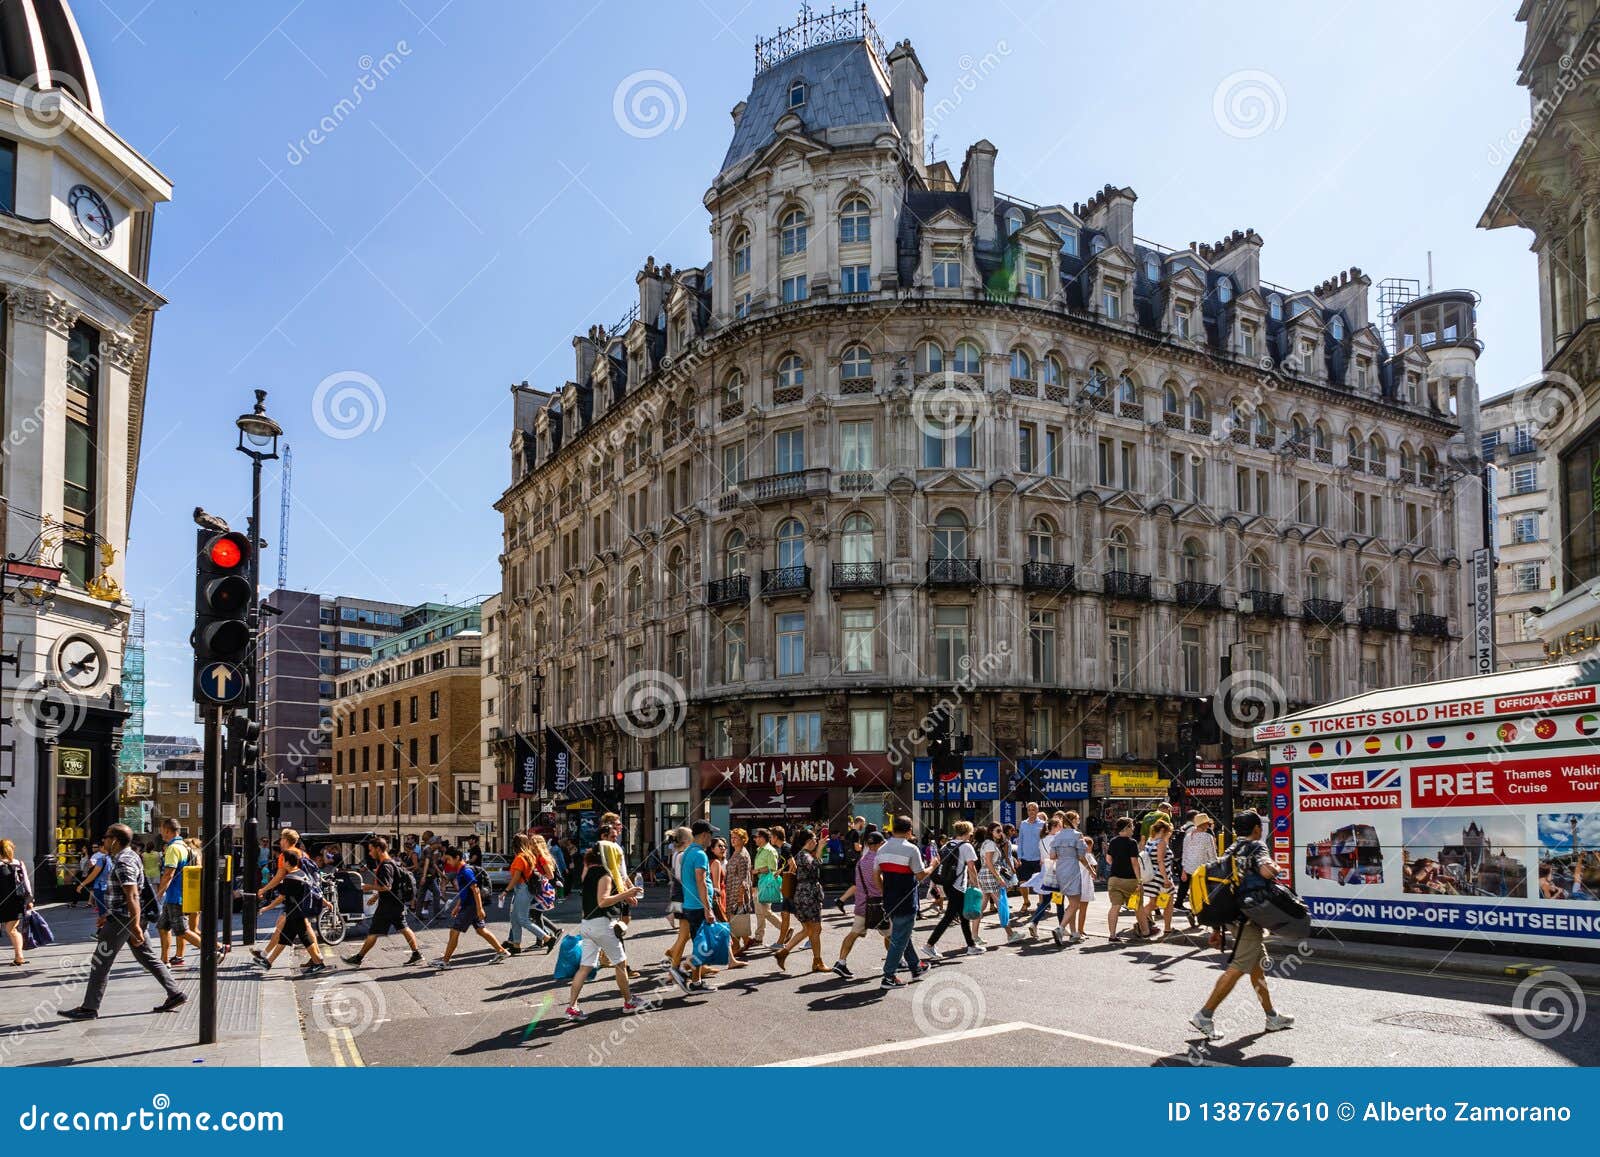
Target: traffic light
(244, 748)
(1206, 725)
(223, 595)
(618, 788)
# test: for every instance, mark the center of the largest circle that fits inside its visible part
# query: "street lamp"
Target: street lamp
(258, 440)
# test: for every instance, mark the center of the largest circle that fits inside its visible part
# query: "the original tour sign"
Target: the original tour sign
(796, 772)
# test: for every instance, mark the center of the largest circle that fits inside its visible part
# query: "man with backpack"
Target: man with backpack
(302, 902)
(394, 885)
(1255, 869)
(468, 910)
(171, 921)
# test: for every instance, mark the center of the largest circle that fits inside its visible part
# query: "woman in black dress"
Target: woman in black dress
(806, 905)
(16, 897)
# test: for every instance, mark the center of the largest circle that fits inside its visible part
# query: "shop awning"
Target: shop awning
(769, 803)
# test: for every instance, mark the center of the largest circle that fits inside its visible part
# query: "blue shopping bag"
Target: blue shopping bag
(1004, 904)
(35, 932)
(568, 955)
(972, 904)
(712, 944)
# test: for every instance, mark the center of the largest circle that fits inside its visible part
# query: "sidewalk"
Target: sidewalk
(257, 1020)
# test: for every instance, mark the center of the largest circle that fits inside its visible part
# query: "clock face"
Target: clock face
(80, 662)
(91, 215)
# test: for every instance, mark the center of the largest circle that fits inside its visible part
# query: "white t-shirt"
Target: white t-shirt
(967, 855)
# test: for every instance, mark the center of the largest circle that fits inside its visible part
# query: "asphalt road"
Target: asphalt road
(1097, 1004)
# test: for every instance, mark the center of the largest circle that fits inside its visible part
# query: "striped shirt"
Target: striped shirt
(899, 861)
(125, 869)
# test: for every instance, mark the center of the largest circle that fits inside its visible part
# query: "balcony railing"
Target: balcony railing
(789, 485)
(1328, 612)
(1379, 619)
(1436, 626)
(857, 576)
(786, 580)
(1196, 594)
(1267, 603)
(733, 589)
(955, 572)
(1049, 576)
(1125, 584)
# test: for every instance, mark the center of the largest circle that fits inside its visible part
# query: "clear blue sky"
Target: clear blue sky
(482, 204)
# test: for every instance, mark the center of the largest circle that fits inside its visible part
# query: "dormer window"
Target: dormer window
(1098, 245)
(1111, 300)
(1033, 278)
(1180, 320)
(1069, 244)
(946, 267)
(1225, 289)
(1013, 221)
(1361, 373)
(797, 94)
(1247, 340)
(1275, 307)
(1336, 328)
(1152, 269)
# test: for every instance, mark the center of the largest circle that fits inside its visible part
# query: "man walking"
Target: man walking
(124, 924)
(897, 870)
(390, 914)
(170, 922)
(468, 910)
(1030, 833)
(1249, 950)
(694, 869)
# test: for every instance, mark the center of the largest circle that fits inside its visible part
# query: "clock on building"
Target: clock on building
(91, 215)
(80, 663)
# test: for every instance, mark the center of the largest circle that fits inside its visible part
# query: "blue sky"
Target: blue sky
(481, 203)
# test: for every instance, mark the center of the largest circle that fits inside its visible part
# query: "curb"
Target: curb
(1468, 963)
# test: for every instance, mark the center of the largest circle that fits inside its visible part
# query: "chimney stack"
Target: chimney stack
(977, 178)
(906, 82)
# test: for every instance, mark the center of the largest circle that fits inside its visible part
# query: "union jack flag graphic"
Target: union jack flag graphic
(1381, 779)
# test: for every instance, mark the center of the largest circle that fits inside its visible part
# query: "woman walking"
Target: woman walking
(521, 881)
(598, 929)
(1199, 849)
(16, 897)
(740, 896)
(769, 887)
(806, 904)
(1045, 886)
(1156, 861)
(961, 874)
(719, 894)
(1072, 865)
(868, 912)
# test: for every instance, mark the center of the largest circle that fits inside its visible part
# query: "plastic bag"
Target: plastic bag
(712, 944)
(568, 956)
(1003, 902)
(972, 904)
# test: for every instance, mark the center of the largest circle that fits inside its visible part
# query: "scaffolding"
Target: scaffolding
(130, 759)
(1394, 294)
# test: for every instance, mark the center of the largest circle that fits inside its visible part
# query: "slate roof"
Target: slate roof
(843, 88)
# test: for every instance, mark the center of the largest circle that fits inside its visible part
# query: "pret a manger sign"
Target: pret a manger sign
(1467, 817)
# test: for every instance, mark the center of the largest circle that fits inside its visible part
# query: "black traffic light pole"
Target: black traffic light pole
(1225, 741)
(210, 831)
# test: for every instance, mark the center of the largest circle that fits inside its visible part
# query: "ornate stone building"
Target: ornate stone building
(906, 439)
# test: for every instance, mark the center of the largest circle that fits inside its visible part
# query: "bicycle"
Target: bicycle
(331, 923)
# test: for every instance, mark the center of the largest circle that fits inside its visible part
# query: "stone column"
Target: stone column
(1591, 250)
(1561, 296)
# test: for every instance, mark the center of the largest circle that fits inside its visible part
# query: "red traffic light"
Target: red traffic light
(226, 551)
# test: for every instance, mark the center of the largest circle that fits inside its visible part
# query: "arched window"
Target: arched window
(733, 389)
(686, 421)
(1013, 221)
(1407, 462)
(1336, 328)
(1127, 390)
(735, 559)
(1267, 428)
(1118, 554)
(635, 595)
(597, 605)
(1429, 465)
(1193, 562)
(968, 358)
(950, 535)
(539, 632)
(791, 371)
(1377, 455)
(930, 358)
(1199, 409)
(791, 543)
(1098, 383)
(792, 232)
(1319, 436)
(1224, 289)
(1099, 244)
(1356, 446)
(1371, 587)
(1170, 401)
(1255, 572)
(1152, 268)
(569, 618)
(855, 221)
(1421, 597)
(1050, 371)
(739, 244)
(1021, 365)
(1316, 580)
(856, 535)
(1041, 540)
(1275, 307)
(856, 362)
(677, 573)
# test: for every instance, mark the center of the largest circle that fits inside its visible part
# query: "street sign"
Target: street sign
(220, 682)
(1483, 610)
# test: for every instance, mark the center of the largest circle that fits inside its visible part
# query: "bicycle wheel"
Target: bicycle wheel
(331, 926)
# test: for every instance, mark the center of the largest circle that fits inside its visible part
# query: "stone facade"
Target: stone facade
(905, 439)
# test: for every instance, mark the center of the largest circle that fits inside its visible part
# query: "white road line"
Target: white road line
(972, 1034)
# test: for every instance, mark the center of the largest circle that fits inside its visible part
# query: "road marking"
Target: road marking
(342, 1046)
(355, 1053)
(987, 1030)
(333, 1048)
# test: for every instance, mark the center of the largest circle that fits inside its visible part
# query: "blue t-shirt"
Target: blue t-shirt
(103, 880)
(693, 859)
(175, 857)
(465, 878)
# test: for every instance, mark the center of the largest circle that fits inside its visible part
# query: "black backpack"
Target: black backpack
(405, 884)
(949, 861)
(311, 903)
(1175, 847)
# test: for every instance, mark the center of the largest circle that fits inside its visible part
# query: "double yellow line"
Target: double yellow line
(343, 1047)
